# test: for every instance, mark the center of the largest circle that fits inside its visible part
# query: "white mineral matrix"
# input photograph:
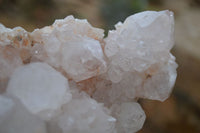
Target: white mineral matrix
(68, 78)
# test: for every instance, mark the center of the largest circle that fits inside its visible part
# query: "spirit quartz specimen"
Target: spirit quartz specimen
(68, 78)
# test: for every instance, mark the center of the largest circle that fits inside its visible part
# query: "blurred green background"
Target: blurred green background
(181, 112)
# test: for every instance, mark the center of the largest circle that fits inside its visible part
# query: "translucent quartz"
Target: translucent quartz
(130, 117)
(17, 119)
(85, 115)
(68, 78)
(75, 46)
(40, 88)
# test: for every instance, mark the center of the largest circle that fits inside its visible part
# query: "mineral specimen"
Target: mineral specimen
(68, 78)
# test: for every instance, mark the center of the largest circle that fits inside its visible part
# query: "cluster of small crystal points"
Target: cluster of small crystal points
(68, 78)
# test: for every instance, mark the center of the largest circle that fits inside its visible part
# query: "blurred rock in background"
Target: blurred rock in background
(181, 112)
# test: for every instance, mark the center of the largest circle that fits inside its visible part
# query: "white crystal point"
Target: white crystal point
(84, 115)
(135, 44)
(83, 58)
(40, 88)
(74, 45)
(130, 117)
(140, 44)
(17, 119)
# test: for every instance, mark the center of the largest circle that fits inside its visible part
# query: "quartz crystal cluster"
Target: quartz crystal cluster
(69, 78)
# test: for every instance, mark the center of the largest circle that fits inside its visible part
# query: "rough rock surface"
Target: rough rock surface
(68, 78)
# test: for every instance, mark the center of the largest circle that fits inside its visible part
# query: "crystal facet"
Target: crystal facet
(68, 78)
